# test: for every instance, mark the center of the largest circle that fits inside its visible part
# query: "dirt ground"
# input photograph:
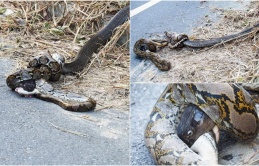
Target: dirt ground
(30, 27)
(236, 61)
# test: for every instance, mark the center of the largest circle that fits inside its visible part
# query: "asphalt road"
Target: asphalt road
(173, 16)
(42, 133)
(143, 99)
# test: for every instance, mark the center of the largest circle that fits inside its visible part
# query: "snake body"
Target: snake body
(23, 83)
(68, 101)
(209, 154)
(212, 42)
(86, 52)
(229, 106)
(46, 67)
(143, 47)
(42, 66)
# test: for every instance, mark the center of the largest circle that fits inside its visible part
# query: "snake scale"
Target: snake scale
(230, 107)
(44, 67)
(146, 48)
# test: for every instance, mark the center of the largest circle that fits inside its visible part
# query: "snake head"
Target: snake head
(193, 123)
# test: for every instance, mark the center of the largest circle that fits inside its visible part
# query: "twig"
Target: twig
(107, 107)
(68, 131)
(250, 158)
(53, 13)
(25, 14)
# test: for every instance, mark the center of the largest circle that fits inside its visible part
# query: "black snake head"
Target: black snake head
(193, 123)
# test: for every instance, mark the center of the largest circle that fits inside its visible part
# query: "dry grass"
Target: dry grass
(236, 61)
(33, 28)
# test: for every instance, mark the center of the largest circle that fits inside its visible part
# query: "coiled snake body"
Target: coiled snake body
(29, 81)
(146, 48)
(229, 106)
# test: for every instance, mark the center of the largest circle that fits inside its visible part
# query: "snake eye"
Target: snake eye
(190, 133)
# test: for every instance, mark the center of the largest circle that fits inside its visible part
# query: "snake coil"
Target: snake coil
(229, 106)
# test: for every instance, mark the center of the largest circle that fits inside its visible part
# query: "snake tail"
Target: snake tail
(212, 42)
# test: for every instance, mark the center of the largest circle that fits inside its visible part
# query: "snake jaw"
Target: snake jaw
(205, 146)
(21, 91)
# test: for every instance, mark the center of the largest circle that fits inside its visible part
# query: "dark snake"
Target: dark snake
(224, 39)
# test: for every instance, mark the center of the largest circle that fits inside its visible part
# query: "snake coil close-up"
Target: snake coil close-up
(185, 122)
(45, 67)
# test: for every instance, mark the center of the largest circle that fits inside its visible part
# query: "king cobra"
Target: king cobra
(44, 67)
(229, 107)
(146, 48)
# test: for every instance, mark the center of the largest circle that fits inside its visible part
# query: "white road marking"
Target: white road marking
(143, 7)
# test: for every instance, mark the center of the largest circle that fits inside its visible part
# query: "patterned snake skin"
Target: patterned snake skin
(32, 81)
(145, 48)
(43, 66)
(229, 106)
(29, 81)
